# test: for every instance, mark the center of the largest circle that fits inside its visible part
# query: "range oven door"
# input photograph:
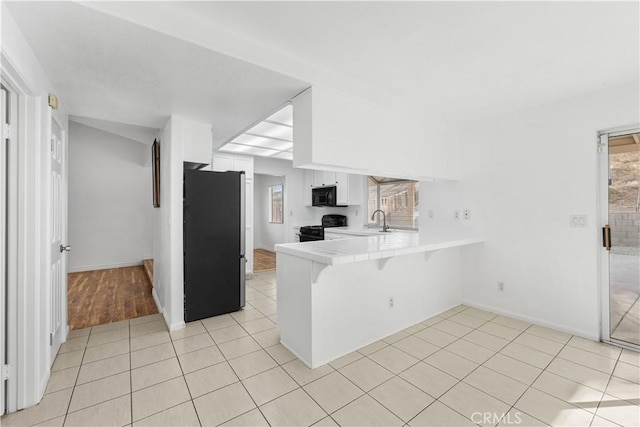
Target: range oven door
(323, 196)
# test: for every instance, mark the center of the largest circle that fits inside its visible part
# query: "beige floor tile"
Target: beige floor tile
(483, 314)
(280, 354)
(252, 418)
(56, 422)
(155, 373)
(511, 323)
(269, 385)
(436, 337)
(393, 359)
(252, 364)
(103, 368)
(59, 380)
(192, 343)
(495, 384)
(466, 320)
(627, 372)
(601, 422)
(293, 409)
(595, 347)
(144, 319)
(453, 328)
(269, 309)
(346, 359)
(67, 360)
(107, 337)
(395, 337)
(183, 415)
(373, 347)
(365, 411)
(74, 344)
(267, 338)
(246, 315)
(228, 334)
(500, 330)
(513, 368)
(211, 378)
(619, 411)
(333, 391)
(630, 356)
(438, 414)
(218, 322)
(452, 364)
(115, 412)
(448, 313)
(550, 334)
(302, 374)
(147, 328)
(366, 374)
(470, 351)
(258, 325)
(157, 398)
(518, 418)
(429, 379)
(416, 347)
(539, 343)
(401, 398)
(623, 389)
(51, 406)
(151, 355)
(110, 326)
(238, 347)
(200, 359)
(486, 340)
(105, 351)
(99, 391)
(578, 373)
(326, 422)
(551, 410)
(569, 391)
(470, 401)
(151, 340)
(586, 358)
(415, 328)
(261, 302)
(432, 321)
(190, 329)
(79, 333)
(528, 355)
(223, 405)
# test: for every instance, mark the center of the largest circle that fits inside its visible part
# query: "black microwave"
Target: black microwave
(323, 196)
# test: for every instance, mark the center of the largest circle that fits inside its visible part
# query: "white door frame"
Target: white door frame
(603, 219)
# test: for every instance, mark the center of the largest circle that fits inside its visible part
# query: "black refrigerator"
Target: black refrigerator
(214, 243)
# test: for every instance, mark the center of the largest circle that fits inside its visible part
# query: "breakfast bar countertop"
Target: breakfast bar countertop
(384, 245)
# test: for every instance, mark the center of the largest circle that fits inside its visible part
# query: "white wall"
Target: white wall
(110, 200)
(34, 299)
(523, 176)
(266, 234)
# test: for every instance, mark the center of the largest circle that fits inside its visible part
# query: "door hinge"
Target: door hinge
(5, 372)
(50, 339)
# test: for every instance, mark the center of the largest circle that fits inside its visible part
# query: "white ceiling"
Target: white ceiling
(444, 62)
(142, 134)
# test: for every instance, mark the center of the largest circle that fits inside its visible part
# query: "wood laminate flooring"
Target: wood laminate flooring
(106, 296)
(263, 260)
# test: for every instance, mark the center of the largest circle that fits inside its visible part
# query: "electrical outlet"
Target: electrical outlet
(466, 214)
(501, 286)
(577, 221)
(390, 302)
(456, 214)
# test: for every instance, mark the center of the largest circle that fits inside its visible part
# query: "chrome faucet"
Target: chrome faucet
(385, 227)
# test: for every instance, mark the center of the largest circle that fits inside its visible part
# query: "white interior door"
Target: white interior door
(3, 240)
(58, 281)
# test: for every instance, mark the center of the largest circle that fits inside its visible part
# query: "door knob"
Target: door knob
(64, 248)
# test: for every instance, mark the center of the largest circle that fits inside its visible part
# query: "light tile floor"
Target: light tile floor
(462, 367)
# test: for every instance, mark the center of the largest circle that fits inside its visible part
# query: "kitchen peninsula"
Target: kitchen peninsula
(336, 296)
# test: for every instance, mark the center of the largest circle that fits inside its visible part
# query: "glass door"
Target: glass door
(621, 236)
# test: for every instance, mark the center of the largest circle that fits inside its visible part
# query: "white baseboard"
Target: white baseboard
(535, 321)
(156, 300)
(104, 266)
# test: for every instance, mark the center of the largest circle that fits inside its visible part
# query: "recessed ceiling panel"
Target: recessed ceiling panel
(259, 141)
(272, 130)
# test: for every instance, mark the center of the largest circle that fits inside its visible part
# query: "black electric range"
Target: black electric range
(310, 233)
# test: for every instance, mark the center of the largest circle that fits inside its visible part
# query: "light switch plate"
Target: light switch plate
(576, 221)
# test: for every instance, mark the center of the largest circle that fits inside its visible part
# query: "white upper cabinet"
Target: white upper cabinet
(349, 187)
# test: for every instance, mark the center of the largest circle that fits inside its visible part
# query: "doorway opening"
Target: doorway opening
(269, 220)
(621, 266)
